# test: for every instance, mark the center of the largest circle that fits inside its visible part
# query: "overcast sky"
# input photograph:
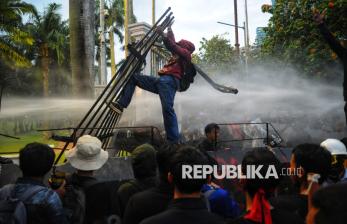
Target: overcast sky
(194, 19)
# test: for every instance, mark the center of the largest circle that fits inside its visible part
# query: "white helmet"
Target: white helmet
(334, 146)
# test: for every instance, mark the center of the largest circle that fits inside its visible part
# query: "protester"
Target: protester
(212, 133)
(344, 141)
(187, 205)
(9, 171)
(307, 160)
(258, 190)
(42, 204)
(86, 157)
(338, 153)
(335, 46)
(219, 201)
(144, 167)
(4, 160)
(329, 205)
(153, 200)
(165, 85)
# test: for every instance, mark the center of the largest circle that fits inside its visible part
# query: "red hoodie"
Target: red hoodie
(182, 54)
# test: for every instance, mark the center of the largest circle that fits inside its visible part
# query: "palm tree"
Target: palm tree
(12, 35)
(50, 35)
(82, 44)
(115, 23)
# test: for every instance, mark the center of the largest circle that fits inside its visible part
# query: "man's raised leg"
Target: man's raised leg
(143, 81)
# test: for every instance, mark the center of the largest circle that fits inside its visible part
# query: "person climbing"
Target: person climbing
(165, 85)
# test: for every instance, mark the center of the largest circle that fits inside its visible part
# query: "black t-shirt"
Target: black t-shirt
(81, 181)
(278, 216)
(297, 204)
(206, 145)
(128, 189)
(185, 211)
(147, 203)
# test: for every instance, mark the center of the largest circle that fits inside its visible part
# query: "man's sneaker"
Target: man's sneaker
(115, 106)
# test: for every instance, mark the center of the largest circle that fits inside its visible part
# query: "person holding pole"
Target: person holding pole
(165, 85)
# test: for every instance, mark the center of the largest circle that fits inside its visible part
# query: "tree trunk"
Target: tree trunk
(45, 68)
(1, 91)
(89, 40)
(75, 46)
(15, 126)
(21, 125)
(81, 22)
(98, 75)
(113, 59)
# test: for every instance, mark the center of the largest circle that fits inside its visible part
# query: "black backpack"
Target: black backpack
(188, 76)
(12, 209)
(74, 203)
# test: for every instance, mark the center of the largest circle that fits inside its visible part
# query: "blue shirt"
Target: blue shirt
(220, 202)
(43, 207)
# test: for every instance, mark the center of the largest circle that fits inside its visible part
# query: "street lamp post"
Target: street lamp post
(246, 46)
(247, 30)
(126, 24)
(245, 39)
(153, 62)
(237, 45)
(153, 12)
(238, 27)
(247, 36)
(103, 71)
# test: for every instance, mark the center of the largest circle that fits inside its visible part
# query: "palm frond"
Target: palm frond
(21, 37)
(11, 56)
(119, 34)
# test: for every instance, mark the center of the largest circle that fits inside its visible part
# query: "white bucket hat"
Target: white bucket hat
(87, 154)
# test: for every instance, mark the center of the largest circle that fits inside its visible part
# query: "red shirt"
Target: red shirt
(176, 63)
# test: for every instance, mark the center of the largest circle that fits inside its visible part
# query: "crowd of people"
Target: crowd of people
(159, 193)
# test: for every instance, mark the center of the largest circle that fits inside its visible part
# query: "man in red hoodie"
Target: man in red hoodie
(165, 85)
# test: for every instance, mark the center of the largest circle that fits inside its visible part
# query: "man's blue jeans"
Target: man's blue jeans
(165, 86)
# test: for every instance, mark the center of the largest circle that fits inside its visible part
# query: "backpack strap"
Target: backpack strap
(209, 192)
(31, 192)
(6, 191)
(138, 185)
(206, 195)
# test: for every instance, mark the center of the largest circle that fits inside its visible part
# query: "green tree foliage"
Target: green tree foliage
(115, 17)
(45, 53)
(49, 29)
(51, 42)
(114, 23)
(216, 54)
(294, 38)
(12, 36)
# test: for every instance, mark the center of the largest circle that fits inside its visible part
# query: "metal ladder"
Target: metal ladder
(100, 120)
